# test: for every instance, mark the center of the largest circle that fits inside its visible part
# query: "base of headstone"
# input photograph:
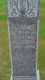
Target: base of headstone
(26, 78)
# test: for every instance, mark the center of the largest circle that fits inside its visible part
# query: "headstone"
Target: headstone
(23, 38)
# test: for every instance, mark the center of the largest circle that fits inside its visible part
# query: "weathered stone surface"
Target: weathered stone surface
(24, 78)
(28, 7)
(23, 37)
(23, 18)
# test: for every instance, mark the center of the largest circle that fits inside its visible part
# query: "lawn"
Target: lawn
(41, 55)
(5, 66)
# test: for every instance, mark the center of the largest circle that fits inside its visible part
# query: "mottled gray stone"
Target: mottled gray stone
(23, 20)
(24, 78)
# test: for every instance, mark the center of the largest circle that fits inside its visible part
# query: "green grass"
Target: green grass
(5, 66)
(41, 57)
(42, 19)
(3, 10)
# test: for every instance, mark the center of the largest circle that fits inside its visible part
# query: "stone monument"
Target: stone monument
(23, 38)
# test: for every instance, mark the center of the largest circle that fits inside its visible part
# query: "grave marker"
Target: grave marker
(23, 30)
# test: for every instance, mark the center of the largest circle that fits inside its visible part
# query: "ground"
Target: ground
(5, 66)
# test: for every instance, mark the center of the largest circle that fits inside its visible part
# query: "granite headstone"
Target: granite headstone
(23, 38)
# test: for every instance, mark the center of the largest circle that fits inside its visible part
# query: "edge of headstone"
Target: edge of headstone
(11, 77)
(38, 75)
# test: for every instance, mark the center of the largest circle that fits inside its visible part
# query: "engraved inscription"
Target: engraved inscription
(23, 38)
